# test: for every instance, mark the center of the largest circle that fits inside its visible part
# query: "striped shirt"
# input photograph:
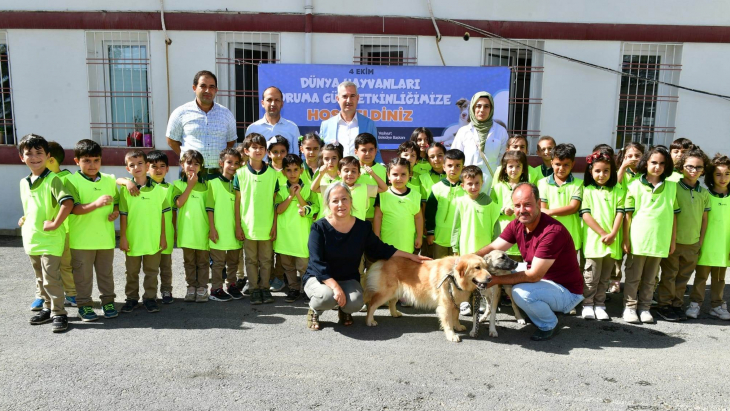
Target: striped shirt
(208, 133)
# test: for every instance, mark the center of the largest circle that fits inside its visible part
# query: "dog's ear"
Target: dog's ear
(460, 268)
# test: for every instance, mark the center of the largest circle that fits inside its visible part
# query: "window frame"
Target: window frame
(4, 123)
(379, 44)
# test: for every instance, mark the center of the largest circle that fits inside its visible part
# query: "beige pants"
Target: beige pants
(67, 275)
(717, 285)
(259, 256)
(596, 274)
(241, 264)
(227, 259)
(48, 278)
(150, 264)
(677, 268)
(84, 263)
(197, 270)
(441, 251)
(641, 274)
(292, 267)
(166, 272)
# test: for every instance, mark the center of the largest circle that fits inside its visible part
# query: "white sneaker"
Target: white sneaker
(601, 314)
(693, 311)
(646, 317)
(630, 316)
(202, 295)
(588, 313)
(465, 309)
(721, 312)
(190, 295)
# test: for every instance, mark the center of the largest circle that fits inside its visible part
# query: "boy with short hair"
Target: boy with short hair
(561, 193)
(474, 216)
(142, 232)
(256, 185)
(545, 147)
(366, 149)
(440, 206)
(159, 165)
(349, 170)
(46, 204)
(676, 151)
(225, 248)
(91, 230)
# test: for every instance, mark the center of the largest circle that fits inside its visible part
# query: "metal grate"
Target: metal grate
(647, 110)
(238, 55)
(118, 69)
(385, 51)
(7, 126)
(525, 92)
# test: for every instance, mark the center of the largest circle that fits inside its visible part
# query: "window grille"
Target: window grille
(238, 55)
(386, 51)
(525, 92)
(118, 69)
(7, 126)
(647, 110)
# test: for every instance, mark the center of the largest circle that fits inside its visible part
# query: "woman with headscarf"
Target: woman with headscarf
(483, 140)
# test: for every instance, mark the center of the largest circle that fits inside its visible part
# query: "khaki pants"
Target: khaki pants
(151, 266)
(426, 249)
(84, 263)
(641, 274)
(292, 266)
(67, 275)
(717, 285)
(48, 278)
(197, 268)
(596, 274)
(441, 252)
(166, 272)
(241, 264)
(227, 259)
(677, 268)
(259, 256)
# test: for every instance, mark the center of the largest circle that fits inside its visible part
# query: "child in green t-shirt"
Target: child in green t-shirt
(159, 165)
(475, 214)
(326, 173)
(519, 143)
(310, 145)
(409, 150)
(423, 139)
(676, 151)
(440, 206)
(190, 195)
(366, 148)
(46, 204)
(435, 154)
(349, 173)
(512, 172)
(561, 193)
(398, 220)
(277, 148)
(142, 232)
(715, 250)
(545, 148)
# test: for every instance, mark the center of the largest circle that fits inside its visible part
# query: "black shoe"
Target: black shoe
(167, 297)
(150, 305)
(267, 297)
(256, 297)
(681, 314)
(234, 291)
(241, 285)
(42, 317)
(129, 306)
(541, 335)
(667, 313)
(60, 323)
(292, 296)
(220, 295)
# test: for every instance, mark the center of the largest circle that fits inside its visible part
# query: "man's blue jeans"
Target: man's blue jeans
(541, 299)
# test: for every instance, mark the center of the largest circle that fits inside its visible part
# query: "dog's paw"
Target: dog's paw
(371, 323)
(453, 338)
(521, 321)
(473, 334)
(459, 327)
(397, 314)
(493, 333)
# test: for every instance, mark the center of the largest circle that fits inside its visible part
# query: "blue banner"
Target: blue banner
(397, 98)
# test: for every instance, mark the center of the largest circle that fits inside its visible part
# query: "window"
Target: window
(525, 92)
(7, 127)
(117, 65)
(646, 109)
(385, 51)
(238, 56)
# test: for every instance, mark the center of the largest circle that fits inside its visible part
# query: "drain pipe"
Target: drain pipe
(308, 8)
(167, 54)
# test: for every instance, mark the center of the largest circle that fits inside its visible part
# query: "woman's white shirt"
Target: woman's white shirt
(467, 140)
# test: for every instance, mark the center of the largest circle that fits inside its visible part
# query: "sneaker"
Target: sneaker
(615, 287)
(276, 285)
(60, 323)
(292, 296)
(234, 291)
(151, 306)
(646, 317)
(167, 297)
(256, 297)
(541, 335)
(70, 301)
(37, 304)
(693, 311)
(465, 309)
(681, 315)
(588, 313)
(129, 306)
(87, 314)
(42, 317)
(109, 310)
(720, 312)
(201, 296)
(242, 285)
(667, 313)
(601, 314)
(220, 295)
(267, 297)
(630, 316)
(190, 295)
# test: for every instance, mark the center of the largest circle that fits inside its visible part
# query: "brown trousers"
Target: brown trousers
(596, 275)
(677, 268)
(227, 259)
(150, 264)
(67, 275)
(197, 270)
(441, 251)
(166, 272)
(717, 285)
(48, 278)
(294, 269)
(259, 256)
(641, 274)
(84, 263)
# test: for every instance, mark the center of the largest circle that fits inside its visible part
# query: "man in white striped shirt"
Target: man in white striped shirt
(272, 123)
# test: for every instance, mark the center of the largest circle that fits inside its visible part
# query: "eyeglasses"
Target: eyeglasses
(693, 168)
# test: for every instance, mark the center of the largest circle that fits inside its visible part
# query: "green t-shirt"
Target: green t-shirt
(365, 179)
(422, 166)
(292, 230)
(257, 200)
(414, 183)
(222, 200)
(440, 209)
(675, 177)
(361, 195)
(427, 180)
(41, 202)
(534, 175)
(694, 202)
(323, 183)
(473, 223)
(653, 216)
(169, 229)
(715, 249)
(92, 231)
(144, 217)
(63, 175)
(603, 204)
(399, 225)
(502, 196)
(192, 217)
(560, 196)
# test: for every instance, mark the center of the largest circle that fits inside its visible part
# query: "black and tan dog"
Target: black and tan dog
(498, 263)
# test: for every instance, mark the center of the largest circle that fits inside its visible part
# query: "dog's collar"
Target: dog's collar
(450, 276)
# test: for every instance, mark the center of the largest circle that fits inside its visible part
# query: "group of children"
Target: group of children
(262, 204)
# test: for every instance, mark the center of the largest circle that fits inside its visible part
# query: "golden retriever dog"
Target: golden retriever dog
(439, 284)
(498, 263)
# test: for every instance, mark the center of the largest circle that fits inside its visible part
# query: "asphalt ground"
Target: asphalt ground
(234, 356)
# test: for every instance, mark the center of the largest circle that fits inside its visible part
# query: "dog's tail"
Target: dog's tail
(372, 276)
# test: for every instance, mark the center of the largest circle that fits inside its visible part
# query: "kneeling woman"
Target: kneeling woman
(336, 246)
